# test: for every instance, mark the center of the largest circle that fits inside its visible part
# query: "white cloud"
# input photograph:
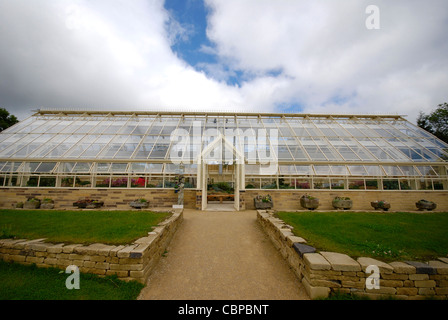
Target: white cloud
(328, 54)
(116, 54)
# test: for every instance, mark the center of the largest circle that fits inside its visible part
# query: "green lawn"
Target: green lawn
(19, 282)
(387, 236)
(109, 227)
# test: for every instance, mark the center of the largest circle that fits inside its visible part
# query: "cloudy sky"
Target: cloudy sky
(313, 56)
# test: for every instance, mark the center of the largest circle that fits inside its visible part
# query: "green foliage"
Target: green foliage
(19, 282)
(389, 237)
(110, 227)
(436, 122)
(6, 119)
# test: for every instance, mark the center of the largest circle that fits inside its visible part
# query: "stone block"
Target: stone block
(426, 291)
(424, 283)
(407, 291)
(17, 258)
(102, 265)
(419, 277)
(89, 264)
(441, 267)
(323, 283)
(382, 266)
(39, 246)
(422, 268)
(316, 261)
(139, 251)
(146, 240)
(391, 283)
(55, 248)
(443, 259)
(341, 262)
(441, 291)
(382, 290)
(113, 252)
(10, 243)
(293, 239)
(118, 273)
(301, 248)
(70, 248)
(394, 276)
(126, 251)
(26, 244)
(105, 250)
(353, 284)
(98, 258)
(315, 292)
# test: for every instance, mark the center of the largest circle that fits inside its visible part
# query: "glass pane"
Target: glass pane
(390, 184)
(322, 170)
(303, 184)
(46, 167)
(409, 171)
(356, 184)
(339, 170)
(337, 184)
(321, 183)
(304, 170)
(357, 170)
(392, 171)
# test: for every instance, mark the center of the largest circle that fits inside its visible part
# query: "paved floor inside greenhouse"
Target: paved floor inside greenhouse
(222, 255)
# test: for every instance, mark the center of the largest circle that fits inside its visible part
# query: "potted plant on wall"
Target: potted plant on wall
(88, 203)
(263, 202)
(342, 203)
(32, 203)
(425, 205)
(380, 205)
(309, 202)
(47, 203)
(139, 203)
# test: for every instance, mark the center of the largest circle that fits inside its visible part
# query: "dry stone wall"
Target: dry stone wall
(323, 273)
(133, 261)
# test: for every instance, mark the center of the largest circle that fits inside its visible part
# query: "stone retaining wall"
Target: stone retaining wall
(129, 262)
(400, 200)
(114, 198)
(323, 273)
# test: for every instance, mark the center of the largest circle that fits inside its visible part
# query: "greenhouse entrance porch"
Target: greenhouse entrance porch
(220, 187)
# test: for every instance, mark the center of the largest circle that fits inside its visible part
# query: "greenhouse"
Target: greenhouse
(234, 152)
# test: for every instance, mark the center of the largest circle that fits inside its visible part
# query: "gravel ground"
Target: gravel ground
(222, 256)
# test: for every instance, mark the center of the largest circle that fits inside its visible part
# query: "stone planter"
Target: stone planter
(47, 205)
(380, 205)
(31, 204)
(139, 204)
(342, 204)
(309, 203)
(425, 205)
(88, 204)
(263, 205)
(260, 204)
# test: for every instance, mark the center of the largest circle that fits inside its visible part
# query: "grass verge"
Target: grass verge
(385, 236)
(109, 227)
(19, 282)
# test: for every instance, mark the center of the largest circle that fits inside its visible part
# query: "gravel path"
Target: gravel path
(222, 255)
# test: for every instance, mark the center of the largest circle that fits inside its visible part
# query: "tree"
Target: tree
(6, 119)
(436, 122)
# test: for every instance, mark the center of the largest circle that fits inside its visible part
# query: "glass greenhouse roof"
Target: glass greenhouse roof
(131, 142)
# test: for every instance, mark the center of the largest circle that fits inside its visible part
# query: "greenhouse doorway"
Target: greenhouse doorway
(222, 176)
(220, 187)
